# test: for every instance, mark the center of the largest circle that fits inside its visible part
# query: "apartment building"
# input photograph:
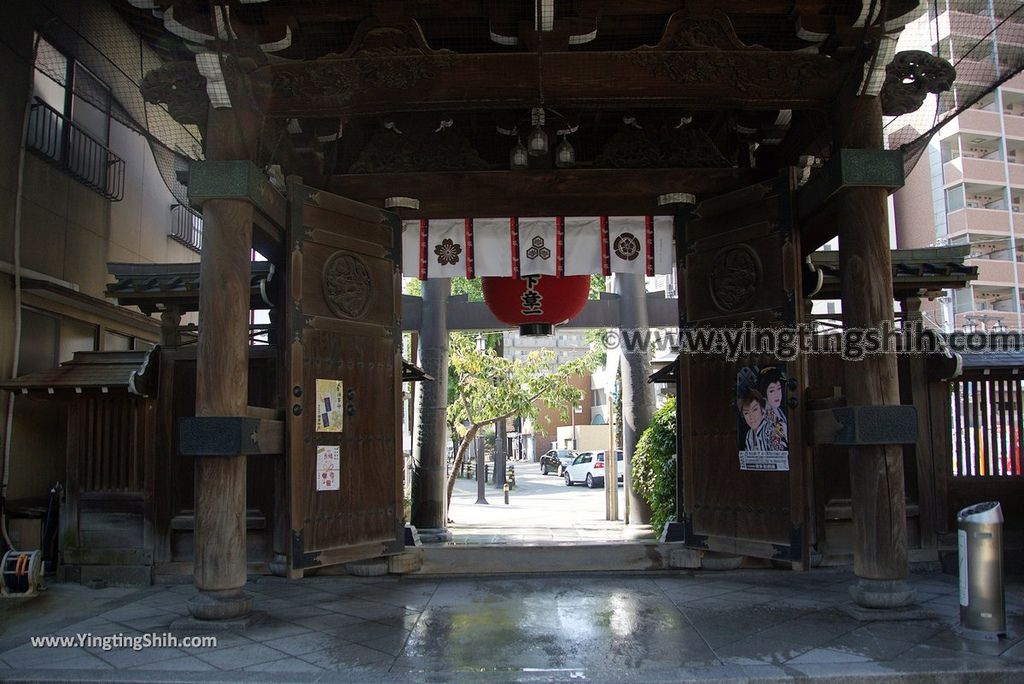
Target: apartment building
(968, 186)
(80, 186)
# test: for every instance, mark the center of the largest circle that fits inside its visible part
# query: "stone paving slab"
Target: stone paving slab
(770, 625)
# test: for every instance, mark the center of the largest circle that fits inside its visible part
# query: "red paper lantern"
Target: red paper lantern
(536, 303)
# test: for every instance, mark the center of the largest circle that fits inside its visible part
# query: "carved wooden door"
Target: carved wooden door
(743, 493)
(344, 369)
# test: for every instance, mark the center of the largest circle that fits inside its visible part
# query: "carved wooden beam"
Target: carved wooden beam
(565, 192)
(698, 80)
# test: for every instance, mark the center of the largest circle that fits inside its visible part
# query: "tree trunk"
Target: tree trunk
(460, 456)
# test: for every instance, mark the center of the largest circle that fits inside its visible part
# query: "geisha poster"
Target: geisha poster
(762, 423)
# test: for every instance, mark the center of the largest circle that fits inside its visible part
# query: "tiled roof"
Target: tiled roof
(915, 272)
(134, 371)
(154, 287)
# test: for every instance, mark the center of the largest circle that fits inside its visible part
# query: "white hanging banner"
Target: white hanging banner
(492, 247)
(664, 245)
(446, 248)
(450, 248)
(582, 246)
(411, 249)
(538, 251)
(627, 244)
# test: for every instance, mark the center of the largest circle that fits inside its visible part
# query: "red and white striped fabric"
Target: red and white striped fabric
(449, 248)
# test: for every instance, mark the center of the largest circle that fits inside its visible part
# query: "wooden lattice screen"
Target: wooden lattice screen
(988, 422)
(110, 450)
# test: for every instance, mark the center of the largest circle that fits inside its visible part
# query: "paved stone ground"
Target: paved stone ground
(746, 625)
(541, 510)
(764, 625)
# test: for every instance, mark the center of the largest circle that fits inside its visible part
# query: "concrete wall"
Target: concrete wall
(914, 213)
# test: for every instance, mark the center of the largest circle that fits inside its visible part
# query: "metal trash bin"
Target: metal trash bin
(980, 545)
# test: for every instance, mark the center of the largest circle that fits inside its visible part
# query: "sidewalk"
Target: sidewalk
(541, 510)
(761, 625)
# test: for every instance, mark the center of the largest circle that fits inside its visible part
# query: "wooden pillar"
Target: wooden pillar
(281, 511)
(429, 472)
(637, 393)
(170, 322)
(924, 457)
(222, 365)
(876, 472)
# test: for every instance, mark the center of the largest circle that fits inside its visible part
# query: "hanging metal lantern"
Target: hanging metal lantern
(536, 303)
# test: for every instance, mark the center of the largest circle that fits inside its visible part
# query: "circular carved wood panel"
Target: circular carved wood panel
(347, 285)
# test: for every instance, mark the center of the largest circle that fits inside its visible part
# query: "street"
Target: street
(541, 509)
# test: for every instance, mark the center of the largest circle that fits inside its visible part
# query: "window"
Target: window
(39, 338)
(115, 341)
(70, 127)
(48, 340)
(76, 336)
(955, 198)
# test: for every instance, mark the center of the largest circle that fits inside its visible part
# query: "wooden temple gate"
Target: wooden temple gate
(673, 103)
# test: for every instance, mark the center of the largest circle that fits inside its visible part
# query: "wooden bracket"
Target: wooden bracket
(851, 168)
(242, 180)
(863, 425)
(229, 436)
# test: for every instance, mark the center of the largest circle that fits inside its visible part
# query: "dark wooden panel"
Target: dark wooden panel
(345, 330)
(364, 508)
(693, 79)
(565, 192)
(379, 317)
(727, 501)
(111, 524)
(112, 450)
(760, 512)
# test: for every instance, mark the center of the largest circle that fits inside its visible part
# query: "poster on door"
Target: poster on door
(328, 461)
(328, 405)
(762, 424)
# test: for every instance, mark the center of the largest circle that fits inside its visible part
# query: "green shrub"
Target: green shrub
(654, 465)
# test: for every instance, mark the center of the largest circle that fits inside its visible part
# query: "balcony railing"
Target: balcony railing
(67, 146)
(187, 227)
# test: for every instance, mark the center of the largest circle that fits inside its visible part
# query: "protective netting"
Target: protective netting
(115, 59)
(120, 41)
(984, 41)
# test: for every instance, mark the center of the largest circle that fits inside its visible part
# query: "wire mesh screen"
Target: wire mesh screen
(984, 41)
(111, 62)
(120, 41)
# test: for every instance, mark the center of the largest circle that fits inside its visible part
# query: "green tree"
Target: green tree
(488, 388)
(653, 473)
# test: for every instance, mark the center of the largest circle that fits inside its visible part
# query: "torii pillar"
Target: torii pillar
(876, 472)
(429, 471)
(638, 403)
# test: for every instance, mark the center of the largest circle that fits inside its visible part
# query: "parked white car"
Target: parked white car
(588, 468)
